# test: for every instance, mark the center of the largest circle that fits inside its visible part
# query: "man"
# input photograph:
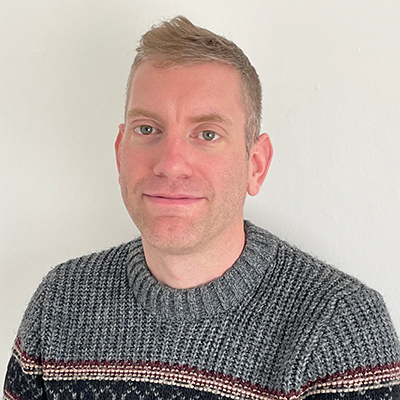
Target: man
(203, 305)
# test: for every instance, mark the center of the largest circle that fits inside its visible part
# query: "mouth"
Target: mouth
(172, 199)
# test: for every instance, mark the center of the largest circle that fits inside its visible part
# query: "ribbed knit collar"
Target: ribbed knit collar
(217, 296)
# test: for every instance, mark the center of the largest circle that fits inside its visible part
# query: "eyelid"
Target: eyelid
(136, 128)
(217, 136)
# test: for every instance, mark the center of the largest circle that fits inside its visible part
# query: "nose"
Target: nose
(173, 159)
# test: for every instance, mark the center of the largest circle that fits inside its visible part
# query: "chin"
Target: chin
(174, 235)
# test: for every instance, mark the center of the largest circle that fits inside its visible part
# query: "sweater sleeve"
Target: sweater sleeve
(20, 384)
(358, 355)
(24, 377)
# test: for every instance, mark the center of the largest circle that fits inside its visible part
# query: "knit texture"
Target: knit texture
(278, 324)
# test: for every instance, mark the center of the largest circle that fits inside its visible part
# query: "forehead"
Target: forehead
(212, 81)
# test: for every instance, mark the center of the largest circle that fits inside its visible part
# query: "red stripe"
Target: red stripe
(184, 375)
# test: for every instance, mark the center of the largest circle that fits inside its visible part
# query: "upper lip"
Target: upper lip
(173, 195)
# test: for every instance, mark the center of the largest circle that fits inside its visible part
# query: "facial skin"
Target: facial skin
(186, 193)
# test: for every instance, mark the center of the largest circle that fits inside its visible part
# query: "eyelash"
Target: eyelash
(200, 134)
(138, 130)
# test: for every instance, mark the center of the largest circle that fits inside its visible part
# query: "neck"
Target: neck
(200, 266)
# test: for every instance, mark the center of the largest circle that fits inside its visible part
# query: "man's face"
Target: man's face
(181, 156)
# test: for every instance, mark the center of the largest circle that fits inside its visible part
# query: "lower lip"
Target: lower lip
(169, 201)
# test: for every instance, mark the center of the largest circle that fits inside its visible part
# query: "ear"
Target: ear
(117, 145)
(259, 162)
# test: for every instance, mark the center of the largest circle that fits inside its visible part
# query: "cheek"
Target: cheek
(132, 163)
(230, 176)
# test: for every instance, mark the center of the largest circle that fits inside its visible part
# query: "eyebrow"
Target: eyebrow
(141, 112)
(211, 117)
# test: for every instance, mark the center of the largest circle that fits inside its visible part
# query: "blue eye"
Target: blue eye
(208, 135)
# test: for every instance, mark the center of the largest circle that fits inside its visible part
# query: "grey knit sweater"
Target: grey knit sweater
(279, 324)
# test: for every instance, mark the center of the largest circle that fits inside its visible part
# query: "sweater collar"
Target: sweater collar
(217, 296)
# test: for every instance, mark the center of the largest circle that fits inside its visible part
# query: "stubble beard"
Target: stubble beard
(184, 234)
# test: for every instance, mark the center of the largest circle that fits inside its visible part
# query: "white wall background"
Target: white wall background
(331, 78)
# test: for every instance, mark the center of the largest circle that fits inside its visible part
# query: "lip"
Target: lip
(172, 199)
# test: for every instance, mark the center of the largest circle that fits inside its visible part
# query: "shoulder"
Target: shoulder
(328, 322)
(297, 270)
(101, 262)
(318, 288)
(89, 271)
(77, 283)
(310, 294)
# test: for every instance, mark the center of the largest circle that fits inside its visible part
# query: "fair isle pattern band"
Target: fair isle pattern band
(207, 381)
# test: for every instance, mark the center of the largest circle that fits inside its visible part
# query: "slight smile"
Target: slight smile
(173, 199)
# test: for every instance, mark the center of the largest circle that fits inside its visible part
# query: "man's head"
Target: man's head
(178, 42)
(184, 163)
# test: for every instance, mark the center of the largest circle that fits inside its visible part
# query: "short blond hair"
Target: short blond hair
(179, 42)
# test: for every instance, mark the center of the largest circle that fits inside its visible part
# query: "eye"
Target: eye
(208, 135)
(144, 129)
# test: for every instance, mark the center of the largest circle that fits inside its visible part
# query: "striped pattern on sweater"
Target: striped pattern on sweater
(278, 325)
